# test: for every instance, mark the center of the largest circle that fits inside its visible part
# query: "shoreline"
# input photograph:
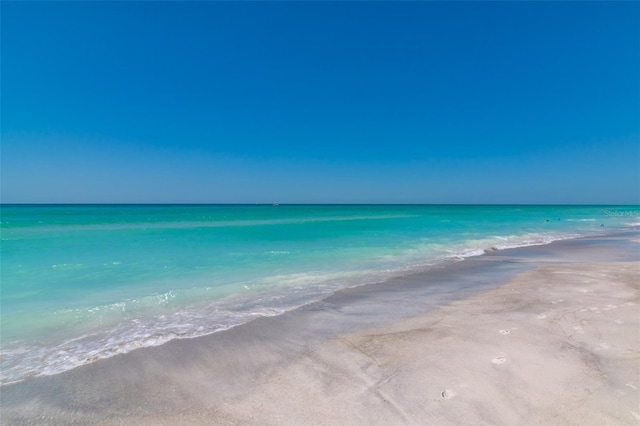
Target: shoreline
(20, 362)
(226, 377)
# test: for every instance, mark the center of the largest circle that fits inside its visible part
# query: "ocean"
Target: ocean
(80, 283)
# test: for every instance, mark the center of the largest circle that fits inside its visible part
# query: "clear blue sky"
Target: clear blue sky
(320, 102)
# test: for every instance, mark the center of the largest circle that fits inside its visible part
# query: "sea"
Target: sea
(79, 283)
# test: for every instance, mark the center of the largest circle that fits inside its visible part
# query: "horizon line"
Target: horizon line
(276, 204)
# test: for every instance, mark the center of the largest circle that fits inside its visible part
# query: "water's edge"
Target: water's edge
(411, 291)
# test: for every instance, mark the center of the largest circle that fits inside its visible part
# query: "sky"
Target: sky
(320, 102)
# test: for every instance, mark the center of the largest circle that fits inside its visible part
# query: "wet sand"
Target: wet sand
(539, 335)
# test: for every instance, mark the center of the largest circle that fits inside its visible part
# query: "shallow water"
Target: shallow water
(81, 283)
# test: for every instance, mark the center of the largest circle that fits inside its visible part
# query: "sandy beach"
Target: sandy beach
(540, 335)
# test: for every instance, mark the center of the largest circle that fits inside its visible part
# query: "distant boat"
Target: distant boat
(275, 204)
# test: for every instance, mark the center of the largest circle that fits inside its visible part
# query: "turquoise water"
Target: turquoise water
(85, 282)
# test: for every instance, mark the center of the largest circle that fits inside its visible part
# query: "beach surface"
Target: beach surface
(538, 335)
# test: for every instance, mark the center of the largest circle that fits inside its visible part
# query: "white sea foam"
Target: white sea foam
(34, 360)
(67, 266)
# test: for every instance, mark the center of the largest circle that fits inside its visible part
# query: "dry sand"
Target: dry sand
(558, 344)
